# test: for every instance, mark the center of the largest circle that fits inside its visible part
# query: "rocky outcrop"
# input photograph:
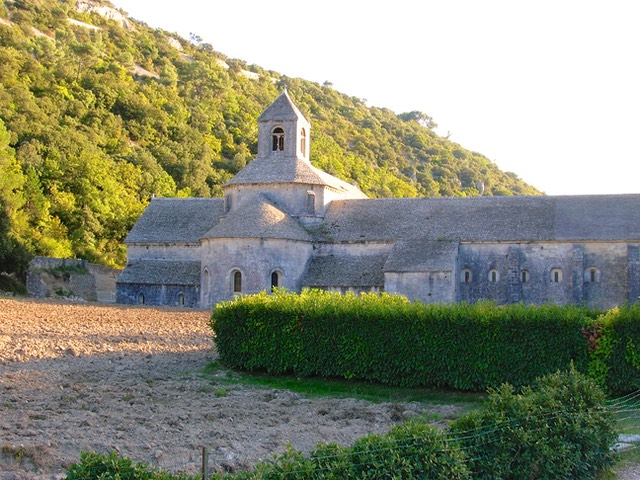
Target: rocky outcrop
(104, 11)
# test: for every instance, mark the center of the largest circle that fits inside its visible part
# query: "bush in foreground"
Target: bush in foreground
(413, 450)
(558, 429)
(112, 466)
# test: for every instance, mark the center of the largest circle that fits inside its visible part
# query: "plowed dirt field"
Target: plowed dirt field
(86, 377)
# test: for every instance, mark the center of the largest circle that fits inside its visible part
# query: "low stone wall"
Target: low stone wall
(71, 278)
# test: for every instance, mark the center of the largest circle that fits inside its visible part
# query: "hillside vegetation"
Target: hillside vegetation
(98, 113)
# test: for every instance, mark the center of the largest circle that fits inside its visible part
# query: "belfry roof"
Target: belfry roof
(278, 169)
(282, 108)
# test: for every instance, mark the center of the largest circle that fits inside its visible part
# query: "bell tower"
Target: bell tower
(283, 131)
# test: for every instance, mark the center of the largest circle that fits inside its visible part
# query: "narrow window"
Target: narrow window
(141, 298)
(311, 203)
(237, 282)
(592, 275)
(303, 142)
(206, 281)
(556, 275)
(181, 299)
(227, 203)
(524, 276)
(493, 276)
(275, 280)
(277, 139)
(466, 276)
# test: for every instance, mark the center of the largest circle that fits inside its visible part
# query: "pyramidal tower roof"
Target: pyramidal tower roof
(288, 162)
(282, 108)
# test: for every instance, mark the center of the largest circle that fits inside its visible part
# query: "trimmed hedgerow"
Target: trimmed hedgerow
(387, 339)
(559, 428)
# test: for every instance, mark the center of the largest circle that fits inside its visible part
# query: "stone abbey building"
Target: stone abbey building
(284, 223)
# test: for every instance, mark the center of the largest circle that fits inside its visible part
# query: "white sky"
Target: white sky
(547, 89)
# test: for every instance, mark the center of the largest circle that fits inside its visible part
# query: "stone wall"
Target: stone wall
(596, 274)
(256, 260)
(71, 278)
(159, 295)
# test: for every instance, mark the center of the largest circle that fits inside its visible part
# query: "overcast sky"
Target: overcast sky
(547, 89)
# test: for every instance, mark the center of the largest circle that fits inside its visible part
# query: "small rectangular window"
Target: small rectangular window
(311, 203)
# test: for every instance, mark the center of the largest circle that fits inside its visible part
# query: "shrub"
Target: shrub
(114, 467)
(412, 450)
(557, 429)
(615, 352)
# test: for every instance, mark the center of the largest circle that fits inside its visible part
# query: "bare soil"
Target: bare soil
(87, 377)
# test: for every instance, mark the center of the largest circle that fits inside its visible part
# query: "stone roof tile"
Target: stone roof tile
(345, 271)
(176, 220)
(485, 219)
(598, 217)
(422, 256)
(283, 169)
(161, 272)
(259, 218)
(282, 108)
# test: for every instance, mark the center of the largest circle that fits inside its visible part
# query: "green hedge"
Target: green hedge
(387, 339)
(615, 349)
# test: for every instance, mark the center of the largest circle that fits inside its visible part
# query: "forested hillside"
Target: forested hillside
(98, 113)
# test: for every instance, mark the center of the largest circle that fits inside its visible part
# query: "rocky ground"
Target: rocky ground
(86, 377)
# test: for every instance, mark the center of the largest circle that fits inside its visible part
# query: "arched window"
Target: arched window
(275, 280)
(303, 142)
(311, 203)
(141, 298)
(556, 275)
(466, 276)
(524, 276)
(277, 139)
(493, 276)
(181, 299)
(237, 281)
(206, 281)
(592, 275)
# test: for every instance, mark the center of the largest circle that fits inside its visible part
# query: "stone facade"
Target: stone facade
(283, 222)
(68, 277)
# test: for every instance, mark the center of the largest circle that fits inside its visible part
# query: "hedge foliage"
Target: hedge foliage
(615, 349)
(413, 450)
(389, 340)
(112, 466)
(558, 429)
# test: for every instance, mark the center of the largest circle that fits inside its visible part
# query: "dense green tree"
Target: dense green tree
(98, 120)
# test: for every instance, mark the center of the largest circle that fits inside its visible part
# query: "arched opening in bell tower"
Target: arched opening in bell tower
(277, 139)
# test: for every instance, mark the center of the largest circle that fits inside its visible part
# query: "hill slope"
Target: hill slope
(99, 112)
